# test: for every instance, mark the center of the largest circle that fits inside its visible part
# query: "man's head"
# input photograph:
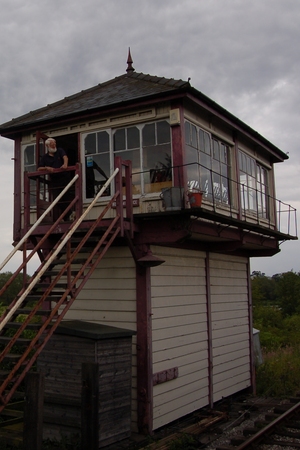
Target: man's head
(51, 145)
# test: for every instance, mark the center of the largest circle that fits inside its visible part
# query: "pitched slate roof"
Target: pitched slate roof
(120, 90)
(123, 90)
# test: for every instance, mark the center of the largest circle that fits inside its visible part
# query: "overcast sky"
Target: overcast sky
(244, 55)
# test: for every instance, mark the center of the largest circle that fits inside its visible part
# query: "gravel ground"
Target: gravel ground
(230, 430)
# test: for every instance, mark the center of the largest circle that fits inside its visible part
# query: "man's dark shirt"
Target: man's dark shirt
(55, 161)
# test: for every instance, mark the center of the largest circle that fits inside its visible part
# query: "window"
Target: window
(147, 146)
(97, 161)
(127, 146)
(157, 164)
(29, 156)
(254, 185)
(208, 164)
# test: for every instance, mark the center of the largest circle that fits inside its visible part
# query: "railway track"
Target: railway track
(280, 429)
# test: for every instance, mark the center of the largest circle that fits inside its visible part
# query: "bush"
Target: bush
(278, 376)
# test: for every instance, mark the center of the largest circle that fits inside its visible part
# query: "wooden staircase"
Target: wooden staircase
(33, 316)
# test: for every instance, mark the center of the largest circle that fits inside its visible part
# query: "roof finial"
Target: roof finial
(129, 63)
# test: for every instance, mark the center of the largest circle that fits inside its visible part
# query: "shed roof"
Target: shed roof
(129, 88)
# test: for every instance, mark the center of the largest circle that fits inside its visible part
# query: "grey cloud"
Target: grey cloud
(244, 55)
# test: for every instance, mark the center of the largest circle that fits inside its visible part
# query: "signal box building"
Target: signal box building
(190, 200)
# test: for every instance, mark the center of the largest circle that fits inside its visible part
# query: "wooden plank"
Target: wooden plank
(174, 332)
(89, 407)
(33, 411)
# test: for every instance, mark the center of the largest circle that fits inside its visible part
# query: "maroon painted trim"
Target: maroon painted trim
(209, 332)
(17, 191)
(177, 132)
(237, 168)
(144, 350)
(251, 343)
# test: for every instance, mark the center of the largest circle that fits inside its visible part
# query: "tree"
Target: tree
(288, 292)
(13, 289)
(263, 289)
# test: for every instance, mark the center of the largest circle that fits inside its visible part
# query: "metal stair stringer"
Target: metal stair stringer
(55, 316)
(21, 364)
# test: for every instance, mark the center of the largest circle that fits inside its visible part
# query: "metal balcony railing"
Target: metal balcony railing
(232, 198)
(222, 195)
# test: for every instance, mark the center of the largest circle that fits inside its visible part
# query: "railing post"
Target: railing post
(118, 187)
(26, 201)
(129, 204)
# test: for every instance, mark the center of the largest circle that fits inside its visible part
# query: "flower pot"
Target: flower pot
(195, 198)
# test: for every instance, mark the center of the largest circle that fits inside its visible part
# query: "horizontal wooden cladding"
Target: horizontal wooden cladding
(235, 384)
(179, 332)
(172, 399)
(109, 295)
(230, 324)
(236, 357)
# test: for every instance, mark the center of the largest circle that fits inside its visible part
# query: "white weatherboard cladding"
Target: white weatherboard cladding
(230, 325)
(179, 333)
(109, 297)
(179, 323)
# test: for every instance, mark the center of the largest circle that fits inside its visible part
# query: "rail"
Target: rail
(37, 223)
(5, 319)
(235, 199)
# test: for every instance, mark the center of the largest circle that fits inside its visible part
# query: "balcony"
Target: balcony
(224, 200)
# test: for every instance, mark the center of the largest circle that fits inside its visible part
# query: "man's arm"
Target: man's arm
(65, 164)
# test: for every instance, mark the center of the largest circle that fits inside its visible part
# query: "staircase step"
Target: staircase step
(13, 357)
(20, 341)
(4, 374)
(43, 286)
(40, 312)
(30, 326)
(52, 298)
(54, 273)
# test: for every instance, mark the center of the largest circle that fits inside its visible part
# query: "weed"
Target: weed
(185, 442)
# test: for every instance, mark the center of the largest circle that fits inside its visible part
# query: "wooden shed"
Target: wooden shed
(144, 253)
(75, 343)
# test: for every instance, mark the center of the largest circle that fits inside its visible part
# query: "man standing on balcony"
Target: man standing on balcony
(55, 158)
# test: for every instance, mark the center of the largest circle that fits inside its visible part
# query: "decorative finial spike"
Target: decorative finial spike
(129, 63)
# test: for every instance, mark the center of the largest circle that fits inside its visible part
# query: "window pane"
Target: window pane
(213, 167)
(223, 153)
(253, 167)
(149, 135)
(187, 127)
(225, 190)
(103, 141)
(216, 149)
(134, 157)
(194, 136)
(29, 155)
(163, 132)
(133, 138)
(96, 173)
(90, 143)
(205, 160)
(119, 140)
